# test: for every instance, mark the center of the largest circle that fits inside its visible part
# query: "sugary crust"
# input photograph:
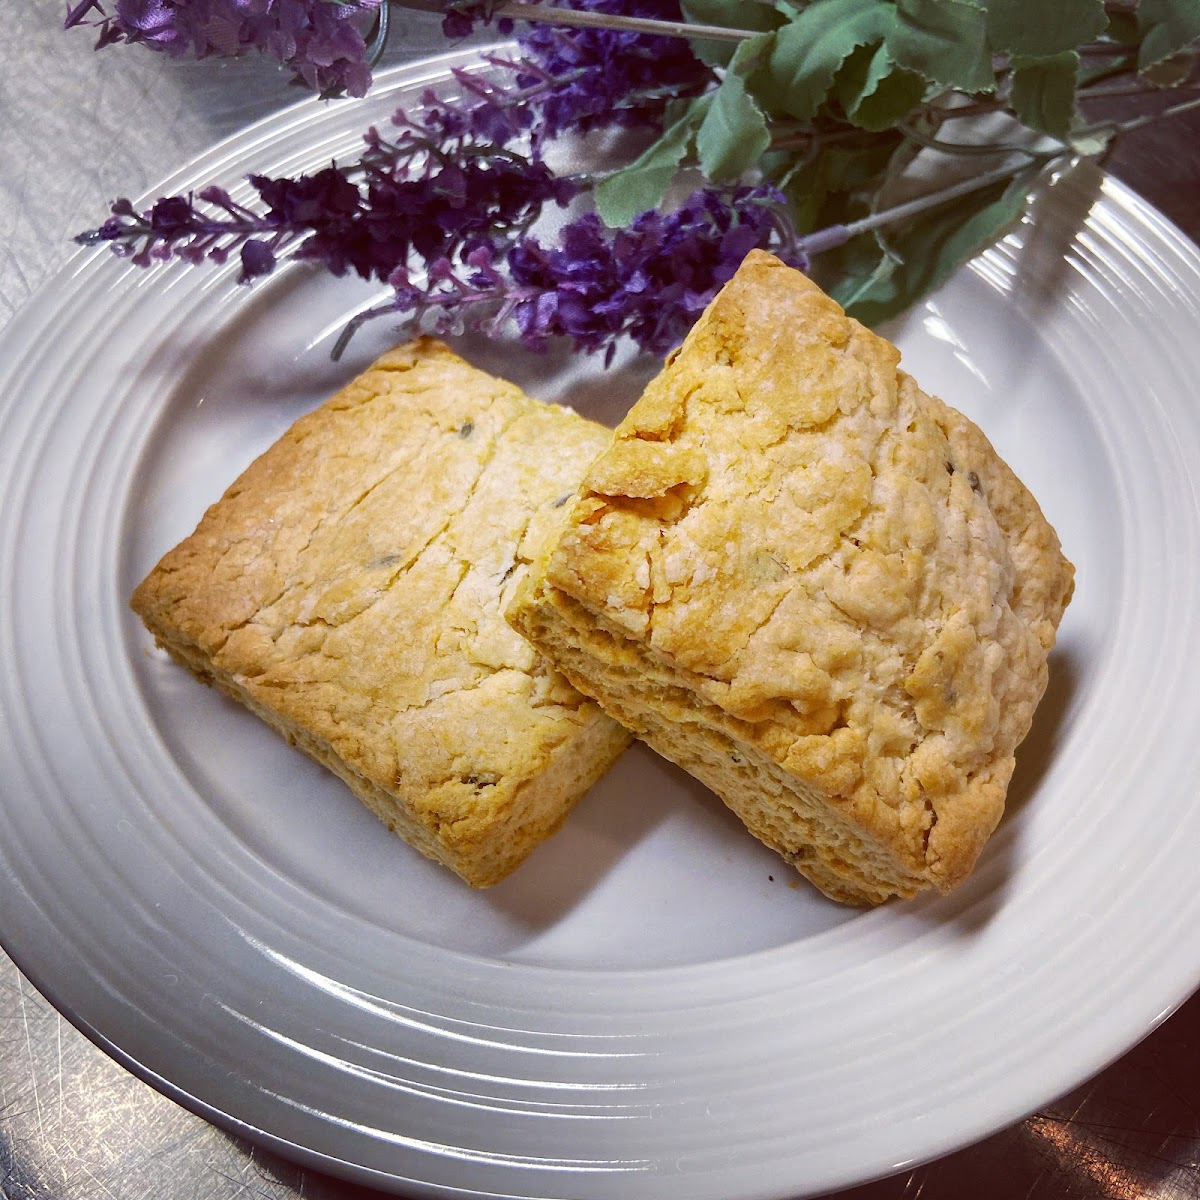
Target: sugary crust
(801, 577)
(349, 588)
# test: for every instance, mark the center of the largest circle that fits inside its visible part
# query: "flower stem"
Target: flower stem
(965, 149)
(837, 235)
(910, 208)
(1117, 127)
(552, 14)
(1132, 89)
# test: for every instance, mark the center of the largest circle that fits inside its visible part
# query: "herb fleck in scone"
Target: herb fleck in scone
(813, 586)
(349, 588)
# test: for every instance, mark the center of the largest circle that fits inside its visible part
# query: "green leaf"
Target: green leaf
(873, 273)
(932, 247)
(643, 183)
(806, 189)
(1040, 28)
(809, 51)
(832, 187)
(1123, 27)
(734, 133)
(1166, 26)
(732, 14)
(945, 41)
(875, 93)
(1043, 92)
(1173, 71)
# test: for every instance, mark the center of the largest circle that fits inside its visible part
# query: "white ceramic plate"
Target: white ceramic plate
(648, 1008)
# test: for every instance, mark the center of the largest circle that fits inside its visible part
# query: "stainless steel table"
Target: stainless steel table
(76, 129)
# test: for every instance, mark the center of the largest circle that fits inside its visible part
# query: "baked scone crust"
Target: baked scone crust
(813, 586)
(349, 588)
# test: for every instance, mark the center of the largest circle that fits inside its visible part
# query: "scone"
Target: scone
(349, 589)
(813, 586)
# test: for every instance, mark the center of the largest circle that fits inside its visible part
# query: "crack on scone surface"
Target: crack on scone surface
(367, 391)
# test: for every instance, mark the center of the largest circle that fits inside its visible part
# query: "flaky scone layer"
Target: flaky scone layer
(814, 586)
(349, 588)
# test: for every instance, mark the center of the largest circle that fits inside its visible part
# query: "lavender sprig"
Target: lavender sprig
(433, 189)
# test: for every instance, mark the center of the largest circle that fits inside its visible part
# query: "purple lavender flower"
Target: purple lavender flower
(257, 259)
(581, 78)
(615, 77)
(370, 223)
(650, 280)
(595, 285)
(461, 17)
(321, 40)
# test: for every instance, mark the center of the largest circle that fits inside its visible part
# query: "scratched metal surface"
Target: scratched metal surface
(78, 128)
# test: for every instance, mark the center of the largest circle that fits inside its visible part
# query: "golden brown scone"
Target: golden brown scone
(349, 589)
(813, 586)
